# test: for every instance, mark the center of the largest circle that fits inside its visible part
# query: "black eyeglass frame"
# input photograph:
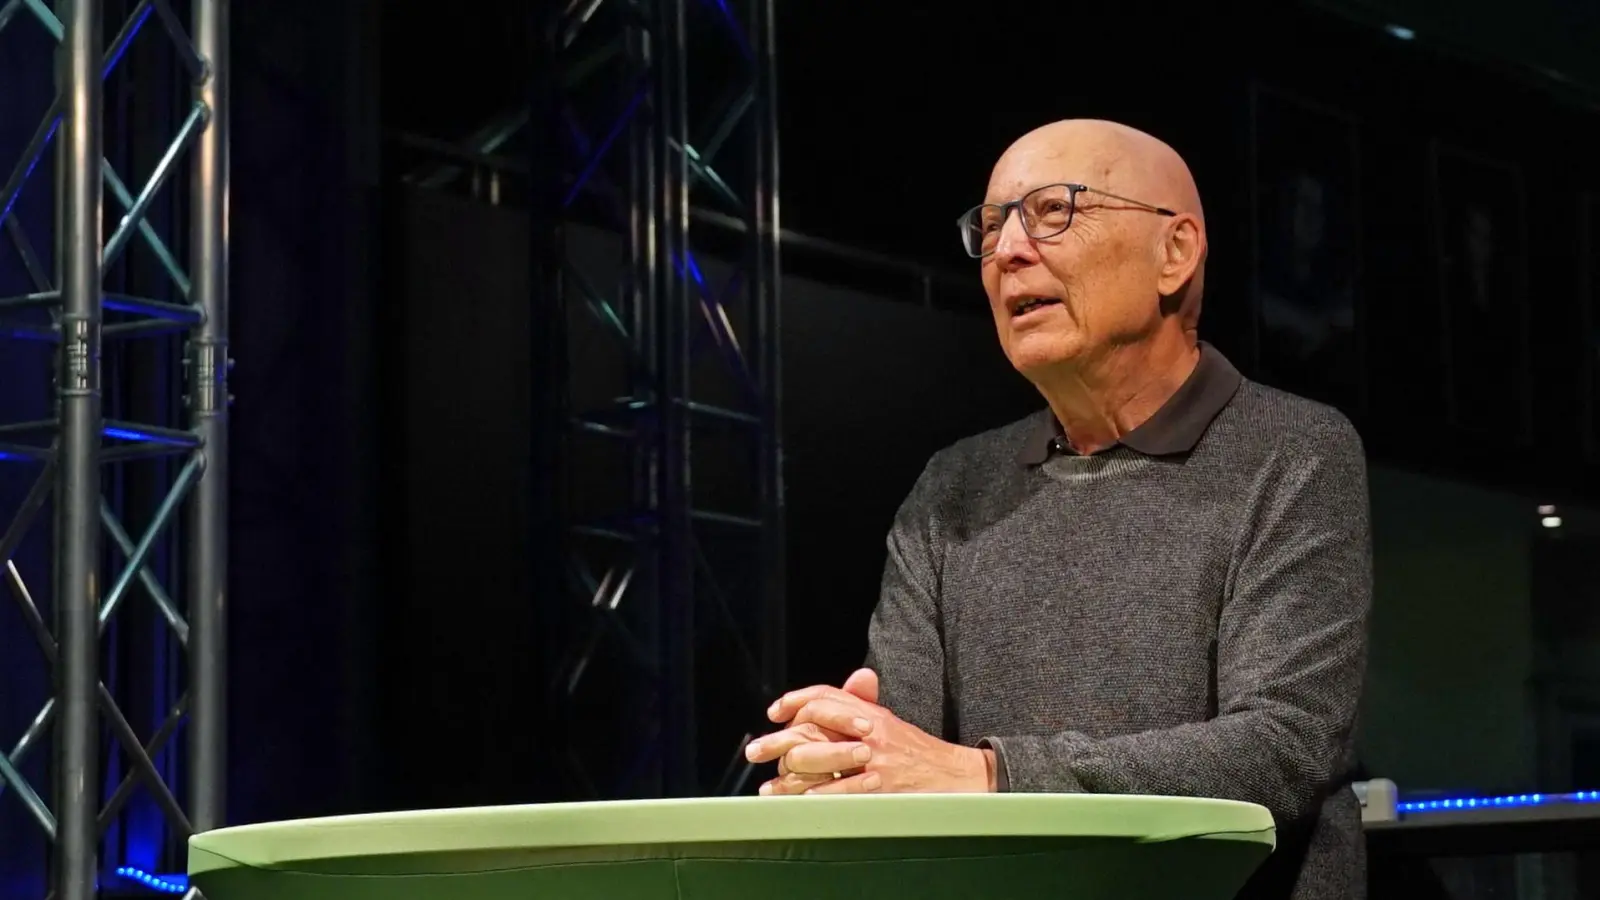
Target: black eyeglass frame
(964, 222)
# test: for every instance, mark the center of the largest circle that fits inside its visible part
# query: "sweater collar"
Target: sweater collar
(1175, 428)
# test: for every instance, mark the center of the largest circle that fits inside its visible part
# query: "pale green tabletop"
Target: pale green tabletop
(925, 847)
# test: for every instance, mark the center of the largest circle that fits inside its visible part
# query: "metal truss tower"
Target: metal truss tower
(660, 464)
(131, 327)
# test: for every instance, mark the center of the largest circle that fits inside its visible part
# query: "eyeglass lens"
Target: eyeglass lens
(1045, 212)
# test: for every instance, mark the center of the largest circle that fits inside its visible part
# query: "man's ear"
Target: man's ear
(1183, 251)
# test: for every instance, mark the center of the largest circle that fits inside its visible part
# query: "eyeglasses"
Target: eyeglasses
(1046, 212)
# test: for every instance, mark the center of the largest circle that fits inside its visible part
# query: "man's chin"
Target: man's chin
(1037, 354)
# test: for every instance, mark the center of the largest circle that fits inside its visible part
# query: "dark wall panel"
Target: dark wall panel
(303, 456)
(459, 674)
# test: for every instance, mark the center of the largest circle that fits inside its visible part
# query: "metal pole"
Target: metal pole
(640, 288)
(765, 289)
(675, 582)
(208, 410)
(78, 490)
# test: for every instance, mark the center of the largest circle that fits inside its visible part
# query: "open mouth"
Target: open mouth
(1033, 303)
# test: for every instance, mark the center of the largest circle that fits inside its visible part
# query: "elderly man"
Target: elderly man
(1157, 585)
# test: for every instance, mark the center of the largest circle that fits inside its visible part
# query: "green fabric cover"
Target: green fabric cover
(927, 847)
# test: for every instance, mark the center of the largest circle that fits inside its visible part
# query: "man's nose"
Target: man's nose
(1014, 247)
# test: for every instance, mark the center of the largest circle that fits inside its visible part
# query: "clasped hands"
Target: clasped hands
(840, 741)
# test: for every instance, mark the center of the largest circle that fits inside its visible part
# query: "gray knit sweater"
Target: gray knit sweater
(1183, 614)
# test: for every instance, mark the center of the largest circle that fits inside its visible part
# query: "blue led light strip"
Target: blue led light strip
(166, 884)
(1452, 804)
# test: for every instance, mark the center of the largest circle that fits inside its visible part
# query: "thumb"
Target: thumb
(864, 684)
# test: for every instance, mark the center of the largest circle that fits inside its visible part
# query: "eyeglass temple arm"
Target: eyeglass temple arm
(1150, 206)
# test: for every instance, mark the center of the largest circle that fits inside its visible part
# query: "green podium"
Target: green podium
(920, 847)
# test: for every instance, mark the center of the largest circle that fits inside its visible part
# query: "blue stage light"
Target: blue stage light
(165, 884)
(1502, 801)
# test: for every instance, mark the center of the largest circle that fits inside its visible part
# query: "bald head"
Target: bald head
(1112, 157)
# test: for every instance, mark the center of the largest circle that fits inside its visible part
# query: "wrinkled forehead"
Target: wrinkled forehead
(1027, 166)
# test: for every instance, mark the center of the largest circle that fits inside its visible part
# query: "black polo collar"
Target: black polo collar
(1175, 428)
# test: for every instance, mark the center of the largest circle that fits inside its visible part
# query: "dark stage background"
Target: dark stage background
(382, 622)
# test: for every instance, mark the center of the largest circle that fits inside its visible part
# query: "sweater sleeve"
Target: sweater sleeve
(905, 645)
(1290, 655)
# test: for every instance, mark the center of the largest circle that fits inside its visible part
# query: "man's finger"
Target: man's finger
(775, 745)
(864, 684)
(864, 783)
(847, 717)
(792, 784)
(827, 758)
(784, 708)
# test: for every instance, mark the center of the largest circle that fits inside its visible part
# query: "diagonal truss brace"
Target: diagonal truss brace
(134, 208)
(141, 754)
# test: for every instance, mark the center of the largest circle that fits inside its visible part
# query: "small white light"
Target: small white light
(1400, 31)
(1547, 510)
(1551, 521)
